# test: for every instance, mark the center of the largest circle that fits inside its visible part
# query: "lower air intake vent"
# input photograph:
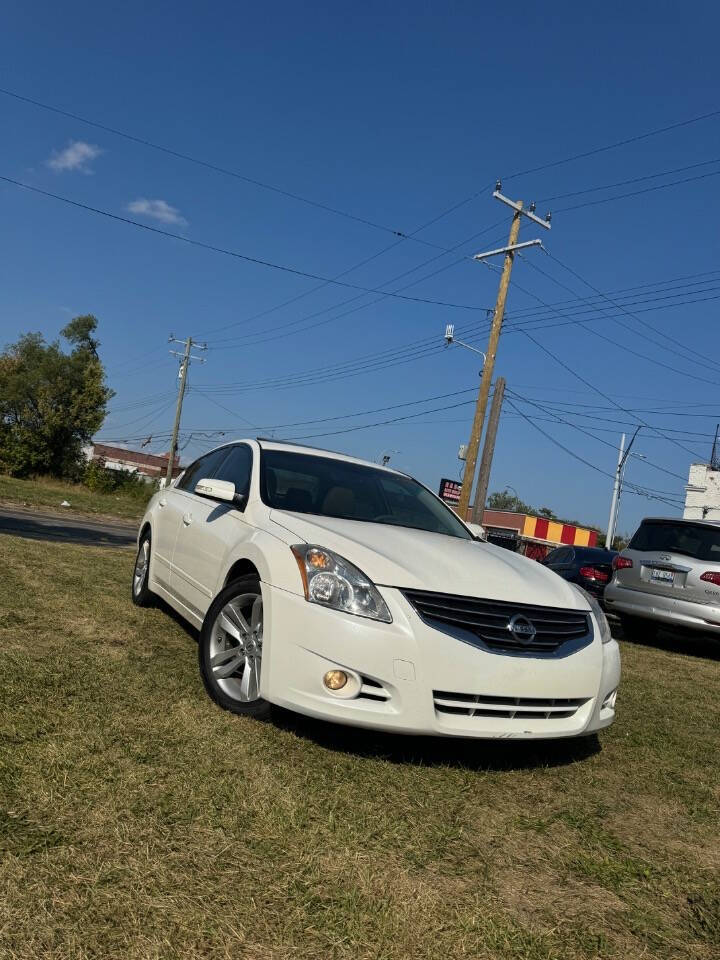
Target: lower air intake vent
(508, 708)
(372, 690)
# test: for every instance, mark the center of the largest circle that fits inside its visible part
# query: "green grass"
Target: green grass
(45, 492)
(139, 821)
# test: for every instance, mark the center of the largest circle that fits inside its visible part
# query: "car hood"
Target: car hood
(416, 559)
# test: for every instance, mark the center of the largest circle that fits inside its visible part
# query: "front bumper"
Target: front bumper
(416, 679)
(670, 611)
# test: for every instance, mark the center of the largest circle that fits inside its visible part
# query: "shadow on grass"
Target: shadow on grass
(423, 751)
(437, 751)
(164, 607)
(691, 644)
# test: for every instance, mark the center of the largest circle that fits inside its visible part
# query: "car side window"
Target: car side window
(236, 468)
(552, 558)
(202, 468)
(564, 555)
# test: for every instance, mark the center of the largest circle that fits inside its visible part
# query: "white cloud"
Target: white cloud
(77, 155)
(157, 210)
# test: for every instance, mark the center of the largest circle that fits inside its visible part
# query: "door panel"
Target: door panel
(165, 530)
(188, 509)
(198, 550)
(208, 530)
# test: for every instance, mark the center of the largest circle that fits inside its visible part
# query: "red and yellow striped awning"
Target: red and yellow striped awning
(551, 531)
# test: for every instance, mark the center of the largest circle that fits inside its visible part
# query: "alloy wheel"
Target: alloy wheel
(236, 647)
(141, 566)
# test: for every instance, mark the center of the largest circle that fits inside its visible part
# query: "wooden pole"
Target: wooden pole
(488, 451)
(178, 411)
(481, 406)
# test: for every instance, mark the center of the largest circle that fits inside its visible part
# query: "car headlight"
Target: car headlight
(333, 582)
(597, 612)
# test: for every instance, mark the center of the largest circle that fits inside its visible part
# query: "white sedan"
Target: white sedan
(350, 592)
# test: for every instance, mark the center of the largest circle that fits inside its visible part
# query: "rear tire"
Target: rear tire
(638, 630)
(230, 649)
(142, 595)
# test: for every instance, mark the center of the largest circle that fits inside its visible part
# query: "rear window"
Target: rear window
(594, 555)
(690, 539)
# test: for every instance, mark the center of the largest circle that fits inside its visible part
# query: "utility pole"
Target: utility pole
(616, 493)
(495, 330)
(185, 359)
(488, 451)
(715, 455)
(623, 454)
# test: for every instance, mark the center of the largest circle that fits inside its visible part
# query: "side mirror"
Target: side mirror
(477, 531)
(222, 490)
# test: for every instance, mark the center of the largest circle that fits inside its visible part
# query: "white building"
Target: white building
(702, 497)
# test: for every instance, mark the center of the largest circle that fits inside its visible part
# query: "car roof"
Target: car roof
(267, 443)
(704, 523)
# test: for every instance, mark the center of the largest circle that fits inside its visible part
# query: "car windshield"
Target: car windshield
(694, 540)
(326, 487)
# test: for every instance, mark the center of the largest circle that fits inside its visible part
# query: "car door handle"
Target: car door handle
(187, 519)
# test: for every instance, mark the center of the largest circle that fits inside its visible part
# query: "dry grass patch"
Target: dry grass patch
(49, 493)
(138, 821)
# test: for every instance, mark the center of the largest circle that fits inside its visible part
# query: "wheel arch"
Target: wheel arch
(146, 527)
(243, 567)
(263, 556)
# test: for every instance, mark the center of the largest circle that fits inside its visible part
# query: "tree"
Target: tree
(51, 401)
(507, 501)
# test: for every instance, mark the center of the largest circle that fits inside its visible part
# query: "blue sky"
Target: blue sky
(392, 113)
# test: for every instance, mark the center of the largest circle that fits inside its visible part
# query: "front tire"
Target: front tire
(142, 595)
(230, 649)
(637, 630)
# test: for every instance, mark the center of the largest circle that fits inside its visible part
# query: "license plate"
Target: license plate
(663, 576)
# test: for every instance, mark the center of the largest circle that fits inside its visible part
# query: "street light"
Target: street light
(450, 338)
(384, 458)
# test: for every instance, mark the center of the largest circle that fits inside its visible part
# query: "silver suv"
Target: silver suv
(669, 574)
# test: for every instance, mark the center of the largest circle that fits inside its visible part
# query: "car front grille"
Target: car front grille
(507, 708)
(490, 621)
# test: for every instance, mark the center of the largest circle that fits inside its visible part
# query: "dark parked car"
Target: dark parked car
(589, 567)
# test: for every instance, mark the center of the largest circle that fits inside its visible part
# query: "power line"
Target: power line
(325, 310)
(177, 154)
(637, 193)
(587, 382)
(363, 413)
(615, 432)
(635, 333)
(619, 306)
(216, 168)
(609, 399)
(402, 354)
(625, 183)
(587, 463)
(147, 419)
(614, 146)
(258, 261)
(531, 318)
(575, 426)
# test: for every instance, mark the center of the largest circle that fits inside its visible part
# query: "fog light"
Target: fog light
(609, 701)
(335, 679)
